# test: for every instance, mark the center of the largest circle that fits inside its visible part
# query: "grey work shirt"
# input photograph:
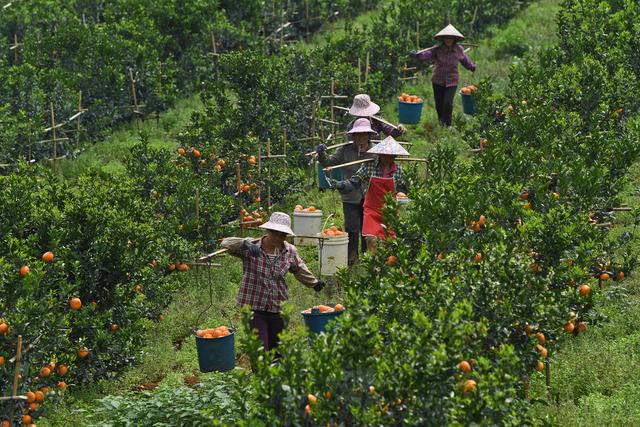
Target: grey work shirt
(346, 154)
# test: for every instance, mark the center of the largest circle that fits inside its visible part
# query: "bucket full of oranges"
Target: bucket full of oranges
(466, 94)
(332, 250)
(318, 317)
(409, 108)
(216, 349)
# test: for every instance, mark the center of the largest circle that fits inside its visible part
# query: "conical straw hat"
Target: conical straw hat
(449, 31)
(390, 147)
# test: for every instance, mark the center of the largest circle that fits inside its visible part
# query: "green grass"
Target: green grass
(106, 155)
(593, 375)
(169, 356)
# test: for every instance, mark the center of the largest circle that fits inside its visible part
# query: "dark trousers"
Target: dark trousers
(353, 217)
(268, 325)
(444, 102)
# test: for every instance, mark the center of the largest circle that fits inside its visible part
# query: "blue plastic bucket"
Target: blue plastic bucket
(468, 106)
(216, 354)
(317, 322)
(409, 112)
(322, 177)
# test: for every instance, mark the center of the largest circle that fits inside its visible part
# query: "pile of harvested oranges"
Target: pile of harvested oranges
(324, 309)
(332, 231)
(468, 90)
(299, 208)
(411, 99)
(219, 332)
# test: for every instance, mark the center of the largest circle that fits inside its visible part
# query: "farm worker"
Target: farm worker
(376, 178)
(445, 76)
(363, 107)
(265, 265)
(352, 201)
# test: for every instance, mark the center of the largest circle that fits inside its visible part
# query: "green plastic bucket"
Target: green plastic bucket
(318, 322)
(468, 106)
(409, 112)
(322, 177)
(216, 354)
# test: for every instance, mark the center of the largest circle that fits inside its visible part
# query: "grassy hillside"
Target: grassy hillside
(170, 356)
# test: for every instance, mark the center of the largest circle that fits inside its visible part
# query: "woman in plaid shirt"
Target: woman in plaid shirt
(445, 75)
(265, 264)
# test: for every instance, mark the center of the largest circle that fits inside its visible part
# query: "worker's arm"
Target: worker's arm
(427, 54)
(301, 272)
(237, 246)
(465, 60)
(335, 159)
(399, 181)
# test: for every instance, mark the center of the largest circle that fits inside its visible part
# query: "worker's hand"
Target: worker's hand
(318, 286)
(321, 148)
(252, 248)
(413, 54)
(341, 186)
(402, 129)
(333, 183)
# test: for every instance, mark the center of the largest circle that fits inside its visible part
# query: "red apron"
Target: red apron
(373, 203)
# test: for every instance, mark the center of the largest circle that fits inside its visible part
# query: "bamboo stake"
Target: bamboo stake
(284, 148)
(359, 74)
(366, 70)
(269, 173)
(418, 35)
(16, 374)
(198, 206)
(240, 216)
(333, 118)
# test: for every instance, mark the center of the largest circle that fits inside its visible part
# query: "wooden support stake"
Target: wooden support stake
(213, 44)
(269, 173)
(238, 184)
(136, 110)
(547, 375)
(284, 147)
(16, 374)
(333, 118)
(417, 35)
(198, 206)
(14, 47)
(359, 74)
(306, 17)
(366, 70)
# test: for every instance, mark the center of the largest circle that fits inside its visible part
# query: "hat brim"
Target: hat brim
(371, 110)
(277, 227)
(440, 37)
(360, 130)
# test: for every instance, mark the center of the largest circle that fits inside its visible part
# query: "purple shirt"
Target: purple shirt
(447, 59)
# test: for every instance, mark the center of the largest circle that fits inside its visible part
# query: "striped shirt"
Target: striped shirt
(447, 59)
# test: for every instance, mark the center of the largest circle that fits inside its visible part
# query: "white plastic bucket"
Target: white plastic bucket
(306, 224)
(333, 253)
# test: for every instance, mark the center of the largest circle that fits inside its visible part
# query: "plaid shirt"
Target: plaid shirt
(369, 169)
(263, 284)
(447, 59)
